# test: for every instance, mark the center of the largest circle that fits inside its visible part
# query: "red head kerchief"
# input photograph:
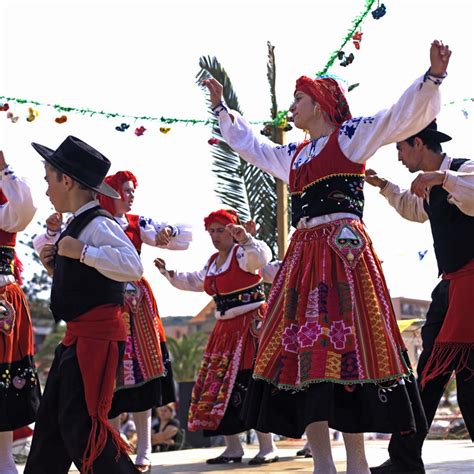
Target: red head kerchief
(116, 181)
(222, 216)
(327, 93)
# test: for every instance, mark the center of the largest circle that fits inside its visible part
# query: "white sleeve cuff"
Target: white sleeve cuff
(89, 255)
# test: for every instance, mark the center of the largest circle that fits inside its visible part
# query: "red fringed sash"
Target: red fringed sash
(456, 338)
(96, 334)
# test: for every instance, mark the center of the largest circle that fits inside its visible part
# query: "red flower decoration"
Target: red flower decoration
(213, 141)
(357, 38)
(139, 131)
(61, 119)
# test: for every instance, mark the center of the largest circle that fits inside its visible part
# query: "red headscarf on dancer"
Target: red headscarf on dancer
(327, 93)
(116, 181)
(222, 216)
(17, 265)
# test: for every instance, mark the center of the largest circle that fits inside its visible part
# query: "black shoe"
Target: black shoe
(267, 459)
(224, 460)
(306, 452)
(389, 467)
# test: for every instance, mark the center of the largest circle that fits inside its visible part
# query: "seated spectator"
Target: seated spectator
(128, 431)
(164, 429)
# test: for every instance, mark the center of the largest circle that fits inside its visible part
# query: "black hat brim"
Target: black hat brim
(48, 155)
(434, 135)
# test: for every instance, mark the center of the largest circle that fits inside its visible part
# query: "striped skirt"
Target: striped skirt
(144, 378)
(221, 384)
(330, 341)
(19, 385)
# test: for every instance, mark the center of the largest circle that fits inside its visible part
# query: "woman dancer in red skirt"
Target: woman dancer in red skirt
(232, 277)
(145, 379)
(330, 353)
(19, 386)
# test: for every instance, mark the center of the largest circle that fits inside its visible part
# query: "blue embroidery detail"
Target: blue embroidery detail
(143, 221)
(291, 148)
(349, 127)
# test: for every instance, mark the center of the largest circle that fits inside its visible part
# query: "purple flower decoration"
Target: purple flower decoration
(290, 339)
(309, 333)
(338, 333)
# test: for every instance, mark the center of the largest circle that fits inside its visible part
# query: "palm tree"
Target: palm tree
(186, 355)
(240, 185)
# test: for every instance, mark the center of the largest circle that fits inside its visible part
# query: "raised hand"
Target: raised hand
(439, 57)
(161, 265)
(215, 91)
(372, 178)
(238, 232)
(251, 227)
(163, 237)
(3, 163)
(424, 181)
(54, 222)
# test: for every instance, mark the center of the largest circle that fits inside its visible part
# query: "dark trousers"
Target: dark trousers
(406, 450)
(63, 424)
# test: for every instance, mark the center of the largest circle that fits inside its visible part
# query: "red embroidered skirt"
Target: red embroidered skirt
(229, 353)
(330, 316)
(144, 379)
(19, 386)
(329, 348)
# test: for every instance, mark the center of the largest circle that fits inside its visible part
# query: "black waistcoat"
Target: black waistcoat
(334, 194)
(453, 231)
(77, 288)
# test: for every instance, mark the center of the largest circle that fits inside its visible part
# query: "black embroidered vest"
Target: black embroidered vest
(77, 288)
(453, 231)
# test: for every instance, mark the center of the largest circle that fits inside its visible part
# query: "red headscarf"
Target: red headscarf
(327, 93)
(116, 181)
(222, 216)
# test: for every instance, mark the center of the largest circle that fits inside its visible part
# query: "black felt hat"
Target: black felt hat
(431, 133)
(81, 162)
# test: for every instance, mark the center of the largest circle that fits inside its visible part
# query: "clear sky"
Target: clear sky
(141, 58)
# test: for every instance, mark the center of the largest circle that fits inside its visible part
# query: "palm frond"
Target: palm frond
(271, 76)
(245, 188)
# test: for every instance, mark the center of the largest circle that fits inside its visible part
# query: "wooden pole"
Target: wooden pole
(282, 204)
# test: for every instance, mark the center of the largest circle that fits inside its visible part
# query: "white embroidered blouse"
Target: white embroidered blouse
(181, 233)
(459, 184)
(18, 212)
(359, 138)
(109, 250)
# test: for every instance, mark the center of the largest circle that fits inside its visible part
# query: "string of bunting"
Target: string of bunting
(280, 121)
(354, 35)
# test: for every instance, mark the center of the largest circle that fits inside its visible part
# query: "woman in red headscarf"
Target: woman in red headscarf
(145, 378)
(232, 276)
(330, 353)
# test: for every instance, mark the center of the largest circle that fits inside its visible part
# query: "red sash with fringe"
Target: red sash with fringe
(456, 338)
(96, 334)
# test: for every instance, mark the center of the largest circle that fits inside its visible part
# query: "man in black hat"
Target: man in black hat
(89, 262)
(443, 193)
